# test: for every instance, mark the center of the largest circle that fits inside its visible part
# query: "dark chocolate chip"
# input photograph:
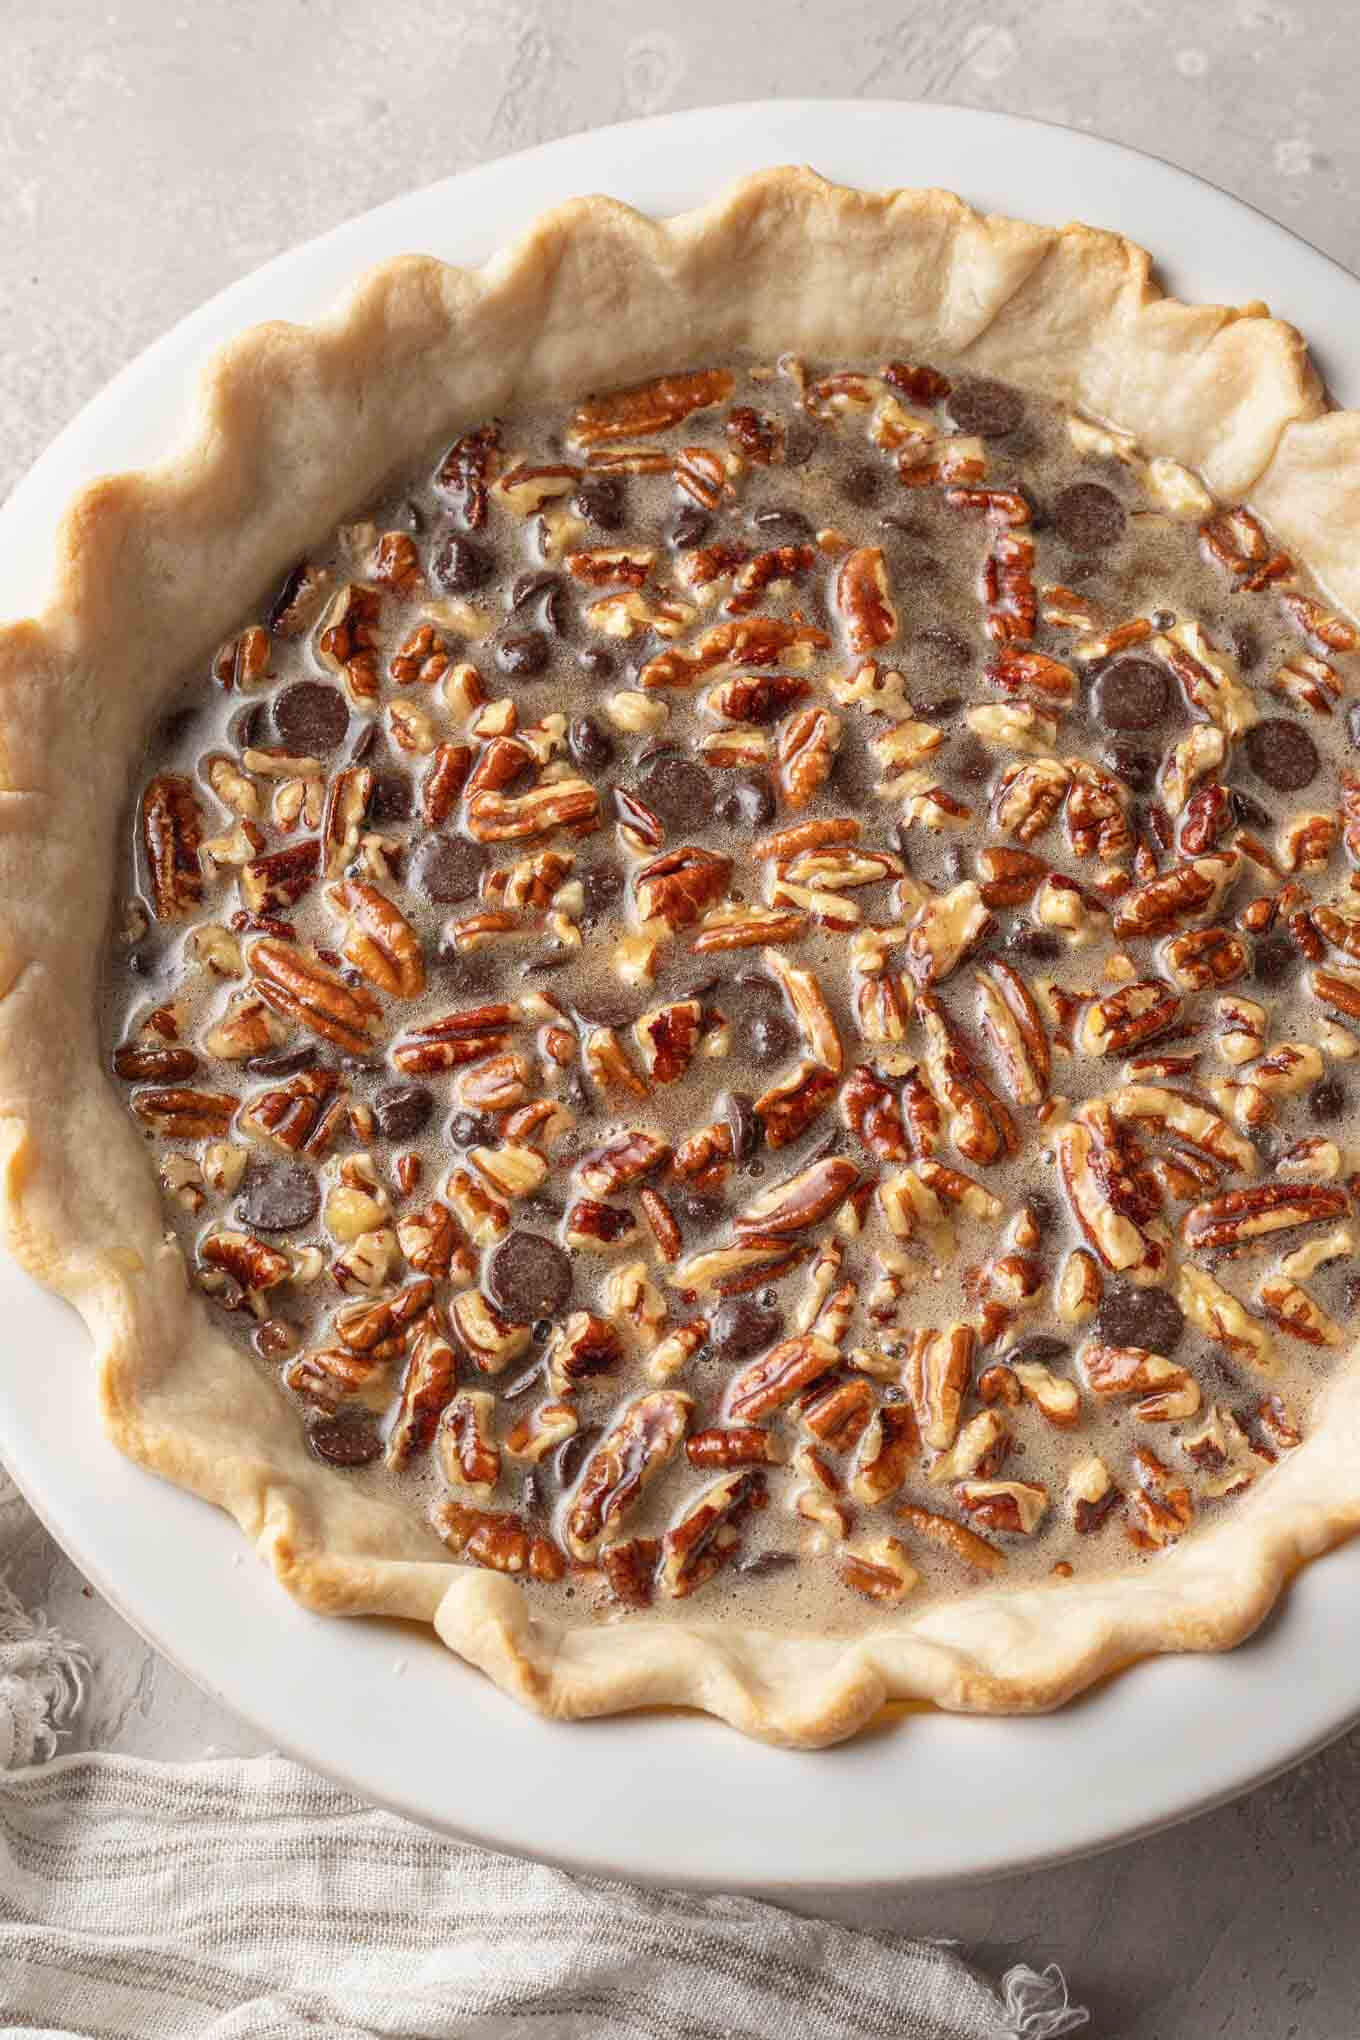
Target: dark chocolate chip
(601, 887)
(1281, 752)
(1327, 1100)
(770, 1036)
(1041, 1209)
(1137, 768)
(606, 1006)
(470, 1129)
(1274, 960)
(746, 802)
(392, 798)
(1247, 645)
(1090, 517)
(403, 1110)
(528, 590)
(675, 788)
(599, 499)
(448, 868)
(863, 484)
(1150, 1318)
(278, 1196)
(985, 409)
(595, 663)
(1132, 694)
(1353, 724)
(690, 527)
(696, 1209)
(528, 1277)
(940, 708)
(971, 760)
(524, 655)
(780, 524)
(246, 728)
(741, 1327)
(1038, 1350)
(1040, 943)
(283, 1062)
(311, 718)
(799, 442)
(1250, 811)
(344, 1441)
(458, 565)
(590, 746)
(739, 1110)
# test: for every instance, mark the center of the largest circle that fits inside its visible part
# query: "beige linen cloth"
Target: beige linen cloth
(216, 1901)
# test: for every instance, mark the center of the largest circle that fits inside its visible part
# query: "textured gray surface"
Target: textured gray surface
(149, 155)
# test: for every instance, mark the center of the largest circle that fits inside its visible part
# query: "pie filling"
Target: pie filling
(745, 991)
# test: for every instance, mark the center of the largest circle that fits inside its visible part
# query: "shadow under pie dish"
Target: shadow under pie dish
(1000, 815)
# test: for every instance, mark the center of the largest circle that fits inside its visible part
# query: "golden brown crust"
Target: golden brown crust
(153, 568)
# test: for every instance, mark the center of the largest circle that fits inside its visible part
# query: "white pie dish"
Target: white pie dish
(307, 1676)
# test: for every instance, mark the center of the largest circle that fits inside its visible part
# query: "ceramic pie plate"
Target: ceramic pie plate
(924, 1797)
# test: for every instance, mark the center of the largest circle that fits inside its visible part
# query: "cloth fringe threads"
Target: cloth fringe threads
(42, 1688)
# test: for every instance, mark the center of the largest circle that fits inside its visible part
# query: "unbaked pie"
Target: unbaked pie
(723, 1056)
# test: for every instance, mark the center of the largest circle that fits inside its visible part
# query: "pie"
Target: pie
(682, 944)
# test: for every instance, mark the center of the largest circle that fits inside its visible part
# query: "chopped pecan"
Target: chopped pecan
(885, 1452)
(497, 1540)
(1032, 674)
(878, 1569)
(172, 829)
(599, 1228)
(468, 1451)
(649, 407)
(947, 929)
(936, 1376)
(541, 1431)
(582, 1346)
(864, 600)
(1168, 1392)
(573, 804)
(1206, 956)
(1015, 1506)
(801, 1200)
(622, 1465)
(1159, 1509)
(1012, 1026)
(769, 1383)
(347, 640)
(378, 939)
(624, 1159)
(808, 742)
(1297, 1313)
(667, 1037)
(676, 887)
(744, 641)
(1209, 678)
(1029, 795)
(980, 1127)
(455, 1039)
(871, 1109)
(792, 1102)
(955, 1538)
(734, 1445)
(1193, 887)
(810, 1009)
(1122, 1021)
(490, 1341)
(347, 800)
(1092, 1494)
(707, 1534)
(1108, 1199)
(1239, 1218)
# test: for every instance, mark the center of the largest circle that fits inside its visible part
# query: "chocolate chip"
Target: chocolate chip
(941, 708)
(770, 1036)
(1040, 1349)
(1042, 1210)
(1137, 768)
(1282, 753)
(363, 743)
(591, 747)
(1327, 1100)
(1040, 943)
(1247, 645)
(985, 409)
(528, 1277)
(599, 499)
(524, 655)
(762, 1564)
(601, 886)
(738, 1108)
(780, 524)
(403, 1110)
(1274, 960)
(971, 760)
(528, 590)
(457, 565)
(675, 788)
(572, 1454)
(470, 1129)
(311, 718)
(690, 527)
(1132, 694)
(595, 664)
(344, 1441)
(1150, 1318)
(283, 1062)
(447, 868)
(863, 484)
(1089, 517)
(278, 1196)
(1250, 811)
(246, 728)
(800, 441)
(697, 1210)
(391, 799)
(740, 1327)
(746, 802)
(1353, 724)
(606, 1005)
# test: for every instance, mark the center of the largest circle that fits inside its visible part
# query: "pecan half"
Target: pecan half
(1012, 1026)
(1192, 888)
(304, 989)
(980, 1127)
(377, 939)
(707, 1534)
(625, 1461)
(172, 829)
(768, 1384)
(649, 407)
(1239, 1218)
(804, 1199)
(864, 600)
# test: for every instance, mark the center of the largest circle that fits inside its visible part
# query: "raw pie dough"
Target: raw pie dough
(155, 567)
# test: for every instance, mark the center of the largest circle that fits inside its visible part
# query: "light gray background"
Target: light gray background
(150, 153)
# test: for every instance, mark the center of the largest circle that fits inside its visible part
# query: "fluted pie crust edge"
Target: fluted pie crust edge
(295, 426)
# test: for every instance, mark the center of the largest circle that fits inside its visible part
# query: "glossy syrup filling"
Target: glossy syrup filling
(743, 990)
